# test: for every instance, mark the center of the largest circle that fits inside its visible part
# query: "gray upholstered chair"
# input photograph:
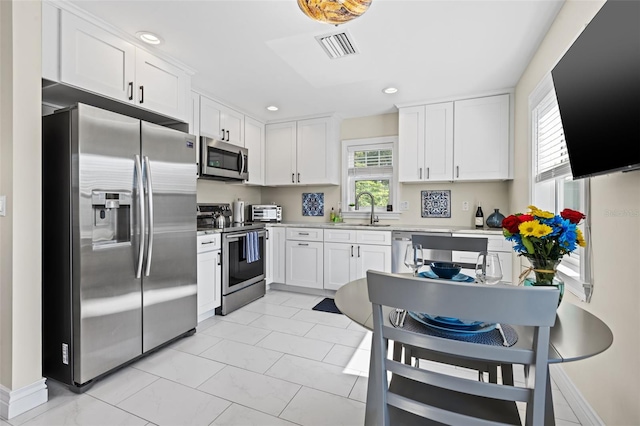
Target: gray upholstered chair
(416, 394)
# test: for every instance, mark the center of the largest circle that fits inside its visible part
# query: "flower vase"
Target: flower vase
(545, 275)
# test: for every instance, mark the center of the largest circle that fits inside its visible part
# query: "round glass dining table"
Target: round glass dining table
(577, 333)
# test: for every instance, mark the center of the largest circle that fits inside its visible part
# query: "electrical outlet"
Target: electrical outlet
(3, 205)
(404, 206)
(465, 206)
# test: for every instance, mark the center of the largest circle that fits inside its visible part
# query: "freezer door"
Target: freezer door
(170, 270)
(106, 296)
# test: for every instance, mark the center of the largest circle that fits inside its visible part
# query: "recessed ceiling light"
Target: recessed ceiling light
(390, 90)
(272, 108)
(149, 37)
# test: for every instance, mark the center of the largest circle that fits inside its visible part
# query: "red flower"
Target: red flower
(572, 216)
(525, 218)
(511, 223)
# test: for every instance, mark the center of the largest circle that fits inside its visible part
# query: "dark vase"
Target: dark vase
(545, 275)
(495, 219)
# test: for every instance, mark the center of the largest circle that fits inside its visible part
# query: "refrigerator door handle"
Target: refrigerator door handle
(141, 213)
(149, 191)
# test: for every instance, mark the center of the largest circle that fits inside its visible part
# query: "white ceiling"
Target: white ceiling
(251, 54)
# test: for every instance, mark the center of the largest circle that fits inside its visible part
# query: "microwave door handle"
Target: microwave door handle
(149, 191)
(141, 214)
(242, 164)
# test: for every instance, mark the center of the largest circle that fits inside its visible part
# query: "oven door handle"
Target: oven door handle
(236, 237)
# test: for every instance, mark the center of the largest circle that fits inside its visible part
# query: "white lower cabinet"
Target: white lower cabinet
(304, 263)
(344, 262)
(209, 275)
(276, 254)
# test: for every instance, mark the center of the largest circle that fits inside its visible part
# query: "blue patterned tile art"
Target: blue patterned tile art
(436, 203)
(313, 204)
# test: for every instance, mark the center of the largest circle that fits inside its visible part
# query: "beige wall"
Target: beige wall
(609, 381)
(492, 195)
(20, 181)
(211, 191)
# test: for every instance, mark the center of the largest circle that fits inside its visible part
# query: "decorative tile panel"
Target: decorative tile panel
(436, 203)
(313, 204)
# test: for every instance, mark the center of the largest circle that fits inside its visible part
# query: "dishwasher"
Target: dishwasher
(402, 239)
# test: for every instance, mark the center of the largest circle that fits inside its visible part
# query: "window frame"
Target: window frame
(348, 195)
(581, 285)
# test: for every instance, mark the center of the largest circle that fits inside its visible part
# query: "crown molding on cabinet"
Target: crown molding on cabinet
(510, 91)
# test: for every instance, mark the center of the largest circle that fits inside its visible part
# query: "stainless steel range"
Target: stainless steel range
(243, 256)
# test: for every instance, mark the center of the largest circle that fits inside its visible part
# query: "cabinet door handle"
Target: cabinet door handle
(267, 234)
(293, 178)
(457, 171)
(222, 134)
(141, 94)
(130, 91)
(303, 244)
(298, 177)
(228, 139)
(206, 242)
(219, 259)
(427, 173)
(420, 173)
(351, 251)
(303, 233)
(358, 251)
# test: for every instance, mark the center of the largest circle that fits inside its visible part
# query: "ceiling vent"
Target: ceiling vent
(338, 45)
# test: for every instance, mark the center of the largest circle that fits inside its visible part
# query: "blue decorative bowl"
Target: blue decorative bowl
(445, 270)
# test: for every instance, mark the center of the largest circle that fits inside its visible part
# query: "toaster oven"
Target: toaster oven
(266, 213)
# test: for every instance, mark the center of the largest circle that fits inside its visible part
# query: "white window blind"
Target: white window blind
(376, 162)
(551, 156)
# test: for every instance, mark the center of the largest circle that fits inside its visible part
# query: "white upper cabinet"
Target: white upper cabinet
(461, 140)
(94, 59)
(220, 122)
(426, 143)
(482, 148)
(161, 87)
(254, 142)
(304, 152)
(280, 153)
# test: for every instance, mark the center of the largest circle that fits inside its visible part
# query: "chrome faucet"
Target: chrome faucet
(373, 219)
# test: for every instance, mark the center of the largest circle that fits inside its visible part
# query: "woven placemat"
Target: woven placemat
(489, 338)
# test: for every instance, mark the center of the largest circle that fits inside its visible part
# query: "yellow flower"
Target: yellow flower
(541, 213)
(542, 230)
(580, 238)
(527, 229)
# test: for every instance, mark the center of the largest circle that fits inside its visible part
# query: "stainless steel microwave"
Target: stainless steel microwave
(223, 161)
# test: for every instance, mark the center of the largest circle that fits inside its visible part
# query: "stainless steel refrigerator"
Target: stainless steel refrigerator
(119, 241)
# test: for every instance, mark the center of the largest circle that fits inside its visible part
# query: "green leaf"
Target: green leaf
(528, 244)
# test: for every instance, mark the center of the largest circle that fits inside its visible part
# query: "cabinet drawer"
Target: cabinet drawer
(208, 242)
(339, 236)
(374, 237)
(304, 234)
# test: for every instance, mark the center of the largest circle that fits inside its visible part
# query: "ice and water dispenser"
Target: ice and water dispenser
(111, 217)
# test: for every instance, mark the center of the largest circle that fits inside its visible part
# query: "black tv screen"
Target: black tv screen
(597, 85)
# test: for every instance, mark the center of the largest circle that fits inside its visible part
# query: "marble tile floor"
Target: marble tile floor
(273, 362)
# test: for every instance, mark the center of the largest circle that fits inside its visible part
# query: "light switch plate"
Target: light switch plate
(465, 206)
(3, 205)
(404, 206)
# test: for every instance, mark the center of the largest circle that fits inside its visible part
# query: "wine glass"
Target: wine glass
(488, 268)
(414, 258)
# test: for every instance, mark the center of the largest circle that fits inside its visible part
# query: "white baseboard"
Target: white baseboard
(15, 402)
(582, 409)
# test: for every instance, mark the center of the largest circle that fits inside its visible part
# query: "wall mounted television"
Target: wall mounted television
(597, 85)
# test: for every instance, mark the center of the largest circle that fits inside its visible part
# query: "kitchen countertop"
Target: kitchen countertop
(406, 228)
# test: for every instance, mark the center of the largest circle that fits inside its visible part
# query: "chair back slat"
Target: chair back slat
(531, 307)
(498, 303)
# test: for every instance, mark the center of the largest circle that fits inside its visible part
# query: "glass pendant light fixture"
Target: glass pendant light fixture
(334, 12)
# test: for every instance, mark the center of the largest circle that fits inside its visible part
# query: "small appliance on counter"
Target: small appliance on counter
(265, 213)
